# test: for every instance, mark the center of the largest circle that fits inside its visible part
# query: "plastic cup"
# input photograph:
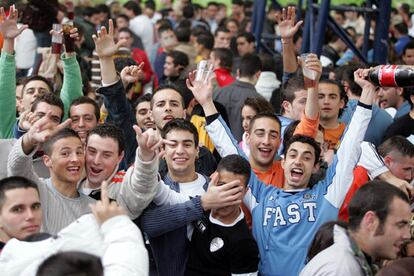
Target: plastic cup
(309, 76)
(204, 70)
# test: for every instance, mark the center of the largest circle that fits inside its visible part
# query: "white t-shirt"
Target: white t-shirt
(193, 189)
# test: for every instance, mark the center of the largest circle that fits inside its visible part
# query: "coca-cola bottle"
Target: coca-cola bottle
(392, 75)
(67, 26)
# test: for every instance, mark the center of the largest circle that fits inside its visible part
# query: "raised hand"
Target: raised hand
(43, 129)
(287, 23)
(132, 74)
(201, 89)
(105, 209)
(26, 120)
(360, 77)
(104, 42)
(8, 25)
(148, 142)
(312, 63)
(221, 196)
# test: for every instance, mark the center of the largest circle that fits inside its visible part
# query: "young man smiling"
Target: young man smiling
(65, 159)
(285, 220)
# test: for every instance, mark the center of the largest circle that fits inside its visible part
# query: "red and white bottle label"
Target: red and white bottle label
(386, 75)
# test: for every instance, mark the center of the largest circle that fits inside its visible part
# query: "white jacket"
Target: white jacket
(118, 242)
(336, 260)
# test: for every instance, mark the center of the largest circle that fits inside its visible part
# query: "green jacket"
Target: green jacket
(71, 89)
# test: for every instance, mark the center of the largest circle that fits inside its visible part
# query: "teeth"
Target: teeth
(297, 171)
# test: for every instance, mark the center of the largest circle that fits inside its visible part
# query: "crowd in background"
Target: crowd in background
(146, 140)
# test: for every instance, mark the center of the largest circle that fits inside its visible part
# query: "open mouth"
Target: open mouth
(180, 160)
(73, 169)
(95, 170)
(296, 174)
(265, 152)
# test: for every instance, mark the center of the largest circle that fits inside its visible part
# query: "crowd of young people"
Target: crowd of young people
(118, 158)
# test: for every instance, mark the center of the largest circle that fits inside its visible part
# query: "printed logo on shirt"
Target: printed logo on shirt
(216, 244)
(291, 214)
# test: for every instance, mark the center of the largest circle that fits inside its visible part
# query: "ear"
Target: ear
(316, 168)
(400, 91)
(286, 106)
(257, 75)
(184, 113)
(342, 103)
(121, 156)
(370, 221)
(47, 161)
(248, 138)
(387, 160)
(282, 162)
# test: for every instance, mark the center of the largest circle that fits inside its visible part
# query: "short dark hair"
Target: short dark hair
(236, 164)
(305, 140)
(268, 63)
(402, 28)
(374, 196)
(212, 3)
(108, 130)
(259, 104)
(168, 86)
(342, 94)
(62, 134)
(89, 11)
(206, 39)
(183, 34)
(124, 16)
(269, 115)
(409, 46)
(71, 263)
(38, 78)
(126, 30)
(188, 11)
(248, 36)
(348, 76)
(132, 5)
(48, 98)
(86, 100)
(179, 58)
(289, 132)
(180, 124)
(396, 143)
(164, 28)
(221, 29)
(294, 84)
(250, 64)
(144, 98)
(14, 182)
(225, 56)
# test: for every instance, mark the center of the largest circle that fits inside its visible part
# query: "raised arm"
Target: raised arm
(125, 252)
(340, 173)
(119, 109)
(288, 27)
(20, 158)
(141, 180)
(72, 79)
(310, 120)
(217, 129)
(9, 30)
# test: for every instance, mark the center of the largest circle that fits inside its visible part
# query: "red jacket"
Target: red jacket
(360, 178)
(223, 77)
(140, 56)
